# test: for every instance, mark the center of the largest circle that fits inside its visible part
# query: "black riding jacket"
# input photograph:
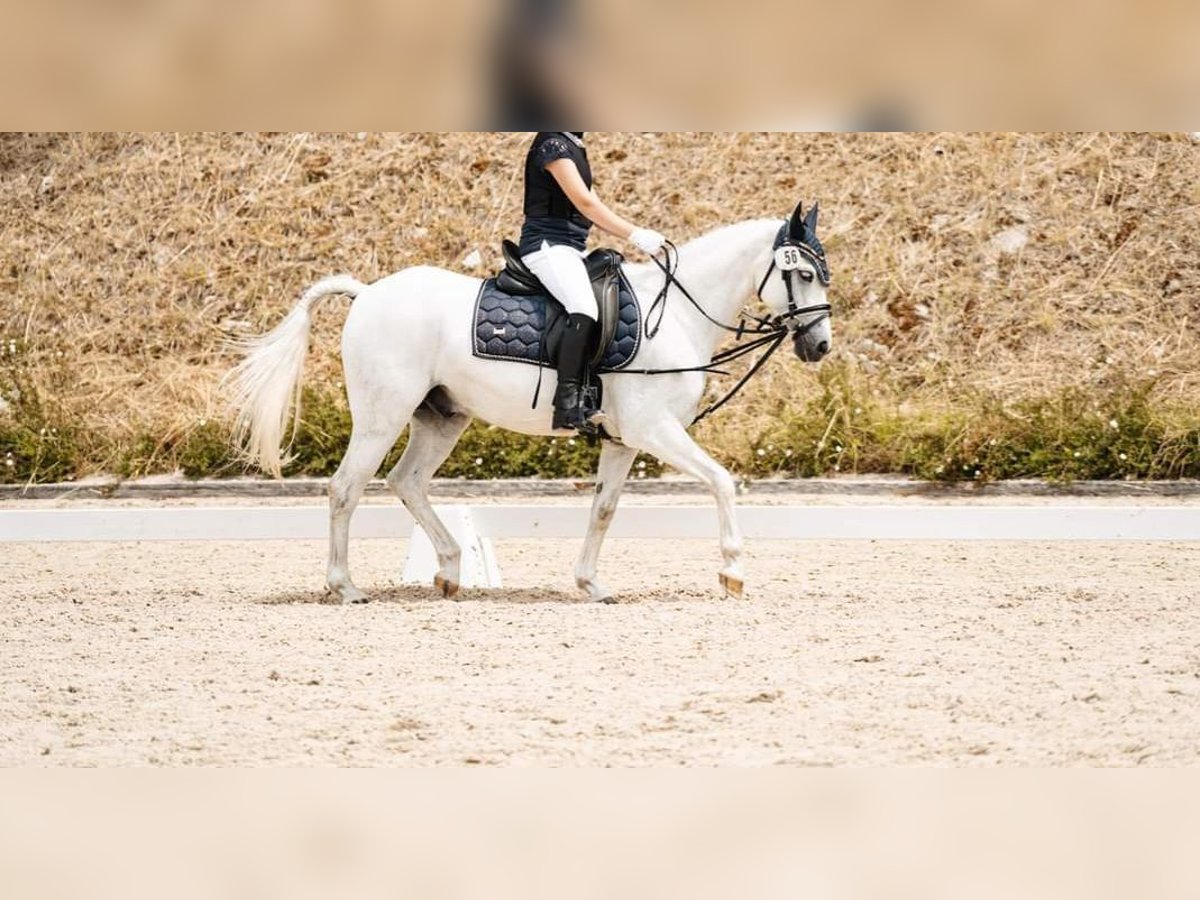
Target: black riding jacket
(549, 215)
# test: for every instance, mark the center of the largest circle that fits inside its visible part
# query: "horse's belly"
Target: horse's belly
(501, 393)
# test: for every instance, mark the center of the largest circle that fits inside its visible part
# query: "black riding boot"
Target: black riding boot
(572, 401)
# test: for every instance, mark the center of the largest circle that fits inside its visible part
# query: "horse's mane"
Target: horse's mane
(718, 238)
(722, 233)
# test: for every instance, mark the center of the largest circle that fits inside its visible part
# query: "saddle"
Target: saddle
(517, 319)
(604, 271)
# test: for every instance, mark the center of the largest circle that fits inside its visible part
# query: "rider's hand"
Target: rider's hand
(647, 240)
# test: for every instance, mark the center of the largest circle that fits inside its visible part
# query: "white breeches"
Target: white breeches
(560, 268)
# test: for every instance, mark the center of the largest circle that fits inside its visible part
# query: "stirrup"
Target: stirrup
(582, 420)
(590, 415)
(576, 408)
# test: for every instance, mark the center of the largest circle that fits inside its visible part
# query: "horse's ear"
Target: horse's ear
(810, 221)
(796, 225)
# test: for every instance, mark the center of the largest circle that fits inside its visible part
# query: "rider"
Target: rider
(560, 209)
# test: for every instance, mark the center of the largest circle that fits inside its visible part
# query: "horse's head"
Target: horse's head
(798, 296)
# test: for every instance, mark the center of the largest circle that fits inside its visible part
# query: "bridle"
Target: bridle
(812, 251)
(762, 325)
(769, 331)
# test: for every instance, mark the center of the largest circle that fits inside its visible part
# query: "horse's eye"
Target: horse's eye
(807, 276)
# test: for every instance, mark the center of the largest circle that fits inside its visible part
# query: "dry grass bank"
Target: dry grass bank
(1003, 288)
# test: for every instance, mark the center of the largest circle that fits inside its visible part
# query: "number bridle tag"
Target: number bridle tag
(788, 257)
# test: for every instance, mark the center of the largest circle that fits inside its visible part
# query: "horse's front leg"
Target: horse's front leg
(615, 462)
(668, 440)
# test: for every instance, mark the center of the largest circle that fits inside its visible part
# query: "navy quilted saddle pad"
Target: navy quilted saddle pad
(512, 327)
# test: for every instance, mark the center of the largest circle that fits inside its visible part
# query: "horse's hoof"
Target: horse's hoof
(596, 593)
(734, 587)
(351, 596)
(448, 588)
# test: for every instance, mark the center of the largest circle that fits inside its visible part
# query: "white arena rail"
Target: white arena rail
(476, 526)
(944, 523)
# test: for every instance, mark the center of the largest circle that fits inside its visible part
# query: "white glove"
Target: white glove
(647, 240)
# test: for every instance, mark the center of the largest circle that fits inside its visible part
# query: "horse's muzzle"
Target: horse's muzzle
(808, 349)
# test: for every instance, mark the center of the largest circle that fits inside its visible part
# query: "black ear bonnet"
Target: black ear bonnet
(800, 231)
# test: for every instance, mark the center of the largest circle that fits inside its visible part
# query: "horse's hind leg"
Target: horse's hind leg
(615, 461)
(372, 437)
(431, 438)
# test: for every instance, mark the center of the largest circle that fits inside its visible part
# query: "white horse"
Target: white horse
(406, 351)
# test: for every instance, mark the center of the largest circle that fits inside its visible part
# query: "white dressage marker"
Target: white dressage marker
(479, 566)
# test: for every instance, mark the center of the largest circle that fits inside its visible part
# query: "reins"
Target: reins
(770, 331)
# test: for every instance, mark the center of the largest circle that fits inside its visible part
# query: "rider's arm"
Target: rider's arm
(566, 173)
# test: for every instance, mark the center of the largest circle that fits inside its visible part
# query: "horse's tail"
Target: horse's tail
(264, 388)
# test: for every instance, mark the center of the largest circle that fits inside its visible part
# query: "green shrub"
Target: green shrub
(38, 442)
(844, 428)
(205, 451)
(1062, 437)
(322, 436)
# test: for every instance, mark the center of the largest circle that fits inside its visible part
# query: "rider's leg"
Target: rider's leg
(573, 405)
(562, 271)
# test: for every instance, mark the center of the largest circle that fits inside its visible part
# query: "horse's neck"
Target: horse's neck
(721, 271)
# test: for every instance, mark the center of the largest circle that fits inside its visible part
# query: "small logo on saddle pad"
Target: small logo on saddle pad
(497, 332)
